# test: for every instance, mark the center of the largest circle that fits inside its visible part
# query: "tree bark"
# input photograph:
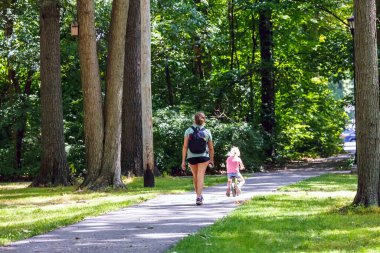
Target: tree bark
(267, 81)
(197, 49)
(231, 21)
(251, 71)
(111, 169)
(147, 124)
(169, 83)
(378, 28)
(132, 143)
(54, 169)
(367, 104)
(14, 88)
(92, 99)
(21, 121)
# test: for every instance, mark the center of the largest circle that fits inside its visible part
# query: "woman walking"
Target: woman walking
(199, 150)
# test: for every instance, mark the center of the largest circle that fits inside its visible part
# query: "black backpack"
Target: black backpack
(197, 141)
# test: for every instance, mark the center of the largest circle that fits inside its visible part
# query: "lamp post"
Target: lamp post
(351, 23)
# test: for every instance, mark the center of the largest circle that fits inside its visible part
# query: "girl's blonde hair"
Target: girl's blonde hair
(234, 152)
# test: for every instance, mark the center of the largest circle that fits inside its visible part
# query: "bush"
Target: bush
(169, 127)
(310, 127)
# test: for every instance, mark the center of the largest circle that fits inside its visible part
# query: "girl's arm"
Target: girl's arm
(242, 166)
(184, 152)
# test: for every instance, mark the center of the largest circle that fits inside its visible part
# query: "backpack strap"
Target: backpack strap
(200, 129)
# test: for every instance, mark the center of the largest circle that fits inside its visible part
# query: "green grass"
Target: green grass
(310, 216)
(25, 212)
(325, 183)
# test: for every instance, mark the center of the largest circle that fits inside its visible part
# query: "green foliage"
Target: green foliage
(19, 58)
(312, 56)
(310, 120)
(169, 128)
(239, 134)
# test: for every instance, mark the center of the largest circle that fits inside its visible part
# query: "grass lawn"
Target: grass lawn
(310, 216)
(25, 212)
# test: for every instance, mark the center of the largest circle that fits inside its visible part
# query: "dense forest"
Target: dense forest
(274, 78)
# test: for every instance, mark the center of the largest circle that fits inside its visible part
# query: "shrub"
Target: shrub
(169, 127)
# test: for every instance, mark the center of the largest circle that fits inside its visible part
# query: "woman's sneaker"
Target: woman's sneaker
(199, 201)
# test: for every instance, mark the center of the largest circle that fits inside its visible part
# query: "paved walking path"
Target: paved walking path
(155, 225)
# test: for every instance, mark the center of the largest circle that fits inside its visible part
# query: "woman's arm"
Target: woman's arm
(184, 152)
(211, 150)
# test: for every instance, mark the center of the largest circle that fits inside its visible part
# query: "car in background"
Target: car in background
(348, 135)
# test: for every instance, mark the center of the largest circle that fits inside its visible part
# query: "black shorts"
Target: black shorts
(196, 160)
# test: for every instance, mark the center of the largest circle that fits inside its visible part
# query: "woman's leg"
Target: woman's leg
(201, 176)
(194, 171)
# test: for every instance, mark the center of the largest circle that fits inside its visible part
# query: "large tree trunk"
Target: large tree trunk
(92, 99)
(367, 103)
(378, 28)
(111, 170)
(147, 124)
(132, 143)
(54, 169)
(267, 81)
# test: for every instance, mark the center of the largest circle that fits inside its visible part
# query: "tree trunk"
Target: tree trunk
(146, 101)
(92, 99)
(132, 143)
(21, 121)
(197, 49)
(251, 71)
(54, 169)
(367, 104)
(169, 83)
(198, 67)
(231, 21)
(378, 28)
(267, 81)
(111, 170)
(13, 85)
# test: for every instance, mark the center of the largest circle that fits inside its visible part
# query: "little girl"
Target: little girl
(234, 163)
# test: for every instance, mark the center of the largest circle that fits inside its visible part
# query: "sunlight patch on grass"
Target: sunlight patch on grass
(327, 182)
(12, 186)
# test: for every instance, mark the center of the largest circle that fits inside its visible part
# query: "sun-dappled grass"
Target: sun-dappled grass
(27, 211)
(327, 183)
(311, 216)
